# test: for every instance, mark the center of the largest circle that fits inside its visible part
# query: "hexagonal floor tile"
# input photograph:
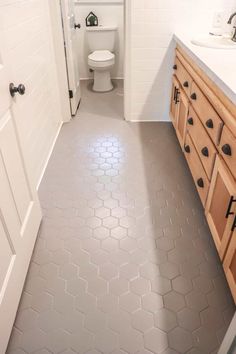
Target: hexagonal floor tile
(165, 320)
(180, 340)
(140, 286)
(142, 320)
(130, 302)
(189, 319)
(174, 301)
(156, 340)
(152, 302)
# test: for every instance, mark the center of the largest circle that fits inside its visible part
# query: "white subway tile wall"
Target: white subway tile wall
(153, 23)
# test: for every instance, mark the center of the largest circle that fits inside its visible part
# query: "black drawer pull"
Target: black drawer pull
(234, 225)
(174, 98)
(209, 124)
(190, 121)
(175, 67)
(194, 96)
(200, 183)
(185, 84)
(227, 150)
(205, 152)
(177, 96)
(187, 148)
(229, 212)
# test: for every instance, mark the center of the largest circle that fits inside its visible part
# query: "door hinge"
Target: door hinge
(71, 95)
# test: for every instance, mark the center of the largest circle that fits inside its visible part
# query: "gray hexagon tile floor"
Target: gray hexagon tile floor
(124, 261)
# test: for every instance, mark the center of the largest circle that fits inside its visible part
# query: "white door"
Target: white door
(70, 27)
(20, 213)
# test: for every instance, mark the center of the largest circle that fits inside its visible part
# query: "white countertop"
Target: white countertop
(218, 64)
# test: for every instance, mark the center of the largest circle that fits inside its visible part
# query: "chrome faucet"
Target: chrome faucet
(230, 22)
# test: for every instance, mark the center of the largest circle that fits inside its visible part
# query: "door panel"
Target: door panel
(221, 190)
(20, 216)
(68, 14)
(26, 47)
(20, 212)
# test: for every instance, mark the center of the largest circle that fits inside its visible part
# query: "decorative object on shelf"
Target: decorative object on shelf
(91, 20)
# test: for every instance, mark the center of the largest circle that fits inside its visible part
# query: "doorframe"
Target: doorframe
(59, 57)
(60, 60)
(127, 60)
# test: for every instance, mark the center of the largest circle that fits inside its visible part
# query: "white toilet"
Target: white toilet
(101, 42)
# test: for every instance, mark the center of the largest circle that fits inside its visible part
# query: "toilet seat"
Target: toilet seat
(101, 59)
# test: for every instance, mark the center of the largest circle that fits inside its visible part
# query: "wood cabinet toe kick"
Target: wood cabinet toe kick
(205, 124)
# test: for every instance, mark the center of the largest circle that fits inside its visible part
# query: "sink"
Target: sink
(217, 42)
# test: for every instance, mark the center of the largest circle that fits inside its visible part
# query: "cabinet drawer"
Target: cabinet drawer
(183, 76)
(200, 178)
(203, 144)
(206, 113)
(228, 149)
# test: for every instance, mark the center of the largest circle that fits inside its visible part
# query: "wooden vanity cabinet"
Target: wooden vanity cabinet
(220, 211)
(205, 123)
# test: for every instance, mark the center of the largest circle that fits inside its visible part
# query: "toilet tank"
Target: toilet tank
(101, 38)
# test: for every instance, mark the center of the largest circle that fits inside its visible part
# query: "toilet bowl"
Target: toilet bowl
(101, 62)
(101, 43)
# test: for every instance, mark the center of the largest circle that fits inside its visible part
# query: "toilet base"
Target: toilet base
(102, 81)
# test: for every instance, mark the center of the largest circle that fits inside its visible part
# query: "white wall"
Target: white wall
(108, 12)
(153, 23)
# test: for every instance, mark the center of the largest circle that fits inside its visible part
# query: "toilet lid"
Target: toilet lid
(101, 55)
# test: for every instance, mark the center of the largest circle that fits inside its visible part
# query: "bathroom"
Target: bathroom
(117, 177)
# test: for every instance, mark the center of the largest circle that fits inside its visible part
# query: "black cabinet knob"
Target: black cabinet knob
(13, 89)
(185, 84)
(227, 150)
(193, 96)
(187, 148)
(205, 152)
(190, 121)
(77, 26)
(209, 124)
(200, 183)
(175, 67)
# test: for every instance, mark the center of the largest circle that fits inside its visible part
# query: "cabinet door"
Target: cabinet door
(230, 265)
(220, 210)
(181, 121)
(174, 100)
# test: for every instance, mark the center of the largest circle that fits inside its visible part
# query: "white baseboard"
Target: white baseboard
(149, 121)
(48, 157)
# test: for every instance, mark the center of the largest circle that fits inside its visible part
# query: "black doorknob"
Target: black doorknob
(13, 89)
(200, 183)
(185, 84)
(194, 96)
(77, 25)
(190, 121)
(209, 124)
(205, 151)
(227, 150)
(175, 67)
